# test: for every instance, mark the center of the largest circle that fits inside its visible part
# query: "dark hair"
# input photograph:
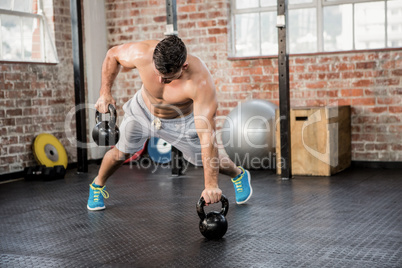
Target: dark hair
(169, 55)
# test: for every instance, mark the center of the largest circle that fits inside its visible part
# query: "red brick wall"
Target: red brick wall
(35, 98)
(371, 82)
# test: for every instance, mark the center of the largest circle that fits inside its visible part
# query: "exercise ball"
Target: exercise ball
(248, 134)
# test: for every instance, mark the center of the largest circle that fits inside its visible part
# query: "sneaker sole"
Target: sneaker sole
(251, 189)
(95, 209)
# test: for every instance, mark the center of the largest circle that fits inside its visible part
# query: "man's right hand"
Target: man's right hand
(211, 195)
(102, 105)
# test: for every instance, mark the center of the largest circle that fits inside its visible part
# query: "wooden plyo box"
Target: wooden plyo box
(320, 140)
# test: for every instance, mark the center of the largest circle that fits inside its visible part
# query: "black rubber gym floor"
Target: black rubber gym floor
(351, 219)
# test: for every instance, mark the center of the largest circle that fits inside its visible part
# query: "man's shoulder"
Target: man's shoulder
(149, 43)
(137, 53)
(194, 59)
(200, 78)
(144, 46)
(198, 65)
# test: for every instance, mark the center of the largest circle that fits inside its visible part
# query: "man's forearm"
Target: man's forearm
(210, 161)
(110, 69)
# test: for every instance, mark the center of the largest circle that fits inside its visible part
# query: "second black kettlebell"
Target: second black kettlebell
(106, 133)
(214, 224)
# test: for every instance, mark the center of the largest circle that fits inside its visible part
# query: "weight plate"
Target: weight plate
(49, 151)
(159, 150)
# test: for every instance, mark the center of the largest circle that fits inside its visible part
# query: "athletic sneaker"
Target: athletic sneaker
(242, 186)
(96, 195)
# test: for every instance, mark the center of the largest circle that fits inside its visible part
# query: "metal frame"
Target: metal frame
(79, 84)
(284, 92)
(171, 17)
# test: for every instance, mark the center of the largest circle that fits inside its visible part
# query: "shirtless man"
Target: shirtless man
(177, 102)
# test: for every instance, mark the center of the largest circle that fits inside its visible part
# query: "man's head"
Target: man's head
(170, 55)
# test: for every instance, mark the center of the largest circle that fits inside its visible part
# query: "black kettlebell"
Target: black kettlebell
(106, 133)
(214, 224)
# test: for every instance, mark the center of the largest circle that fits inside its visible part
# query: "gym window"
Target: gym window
(316, 26)
(24, 32)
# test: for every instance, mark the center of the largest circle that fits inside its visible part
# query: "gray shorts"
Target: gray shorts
(138, 125)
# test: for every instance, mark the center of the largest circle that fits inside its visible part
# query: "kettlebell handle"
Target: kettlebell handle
(113, 116)
(201, 204)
